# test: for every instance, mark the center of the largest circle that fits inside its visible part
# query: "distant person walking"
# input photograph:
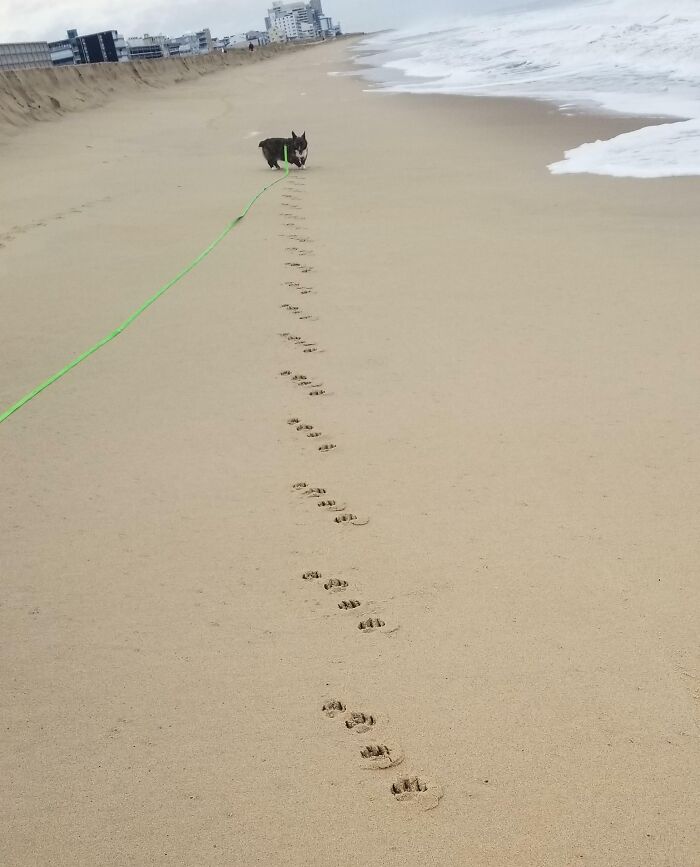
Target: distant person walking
(251, 47)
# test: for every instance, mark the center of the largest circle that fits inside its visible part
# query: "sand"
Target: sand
(510, 365)
(28, 96)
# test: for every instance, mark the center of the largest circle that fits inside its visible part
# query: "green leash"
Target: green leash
(127, 322)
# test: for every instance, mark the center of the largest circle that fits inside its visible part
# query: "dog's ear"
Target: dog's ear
(294, 135)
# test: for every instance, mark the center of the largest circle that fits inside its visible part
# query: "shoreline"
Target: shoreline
(508, 361)
(602, 157)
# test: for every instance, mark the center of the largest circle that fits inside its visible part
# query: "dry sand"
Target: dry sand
(31, 95)
(510, 364)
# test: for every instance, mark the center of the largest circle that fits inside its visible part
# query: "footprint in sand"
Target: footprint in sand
(315, 492)
(380, 756)
(334, 585)
(374, 624)
(349, 604)
(349, 518)
(333, 708)
(317, 392)
(327, 447)
(305, 427)
(315, 434)
(418, 792)
(359, 723)
(331, 505)
(311, 575)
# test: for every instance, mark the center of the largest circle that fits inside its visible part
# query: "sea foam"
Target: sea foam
(633, 57)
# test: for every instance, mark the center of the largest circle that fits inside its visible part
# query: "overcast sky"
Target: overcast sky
(49, 19)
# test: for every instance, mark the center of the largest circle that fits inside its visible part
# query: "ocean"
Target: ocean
(632, 57)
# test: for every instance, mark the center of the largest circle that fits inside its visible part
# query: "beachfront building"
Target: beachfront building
(24, 55)
(243, 40)
(287, 22)
(148, 47)
(108, 46)
(64, 52)
(191, 43)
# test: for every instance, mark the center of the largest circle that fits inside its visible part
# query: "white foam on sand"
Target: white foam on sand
(667, 150)
(633, 57)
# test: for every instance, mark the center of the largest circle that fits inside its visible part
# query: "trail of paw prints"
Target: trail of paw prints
(350, 606)
(370, 737)
(302, 380)
(311, 433)
(297, 311)
(306, 346)
(367, 623)
(331, 504)
(303, 269)
(315, 389)
(302, 290)
(11, 234)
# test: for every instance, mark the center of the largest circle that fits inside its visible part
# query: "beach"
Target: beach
(507, 363)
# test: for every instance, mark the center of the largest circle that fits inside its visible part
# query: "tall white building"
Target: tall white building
(191, 43)
(297, 20)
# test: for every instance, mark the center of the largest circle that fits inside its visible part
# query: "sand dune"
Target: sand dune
(42, 94)
(374, 540)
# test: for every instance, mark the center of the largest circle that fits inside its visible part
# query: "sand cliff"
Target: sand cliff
(28, 95)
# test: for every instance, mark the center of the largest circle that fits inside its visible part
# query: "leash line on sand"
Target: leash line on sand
(163, 289)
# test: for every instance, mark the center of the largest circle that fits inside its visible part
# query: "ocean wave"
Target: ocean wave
(633, 57)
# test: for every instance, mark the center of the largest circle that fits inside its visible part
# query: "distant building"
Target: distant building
(191, 43)
(298, 21)
(256, 38)
(108, 46)
(64, 52)
(148, 47)
(24, 55)
(205, 41)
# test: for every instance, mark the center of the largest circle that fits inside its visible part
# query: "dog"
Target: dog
(297, 150)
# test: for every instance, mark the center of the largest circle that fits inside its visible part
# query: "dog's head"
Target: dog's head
(300, 145)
